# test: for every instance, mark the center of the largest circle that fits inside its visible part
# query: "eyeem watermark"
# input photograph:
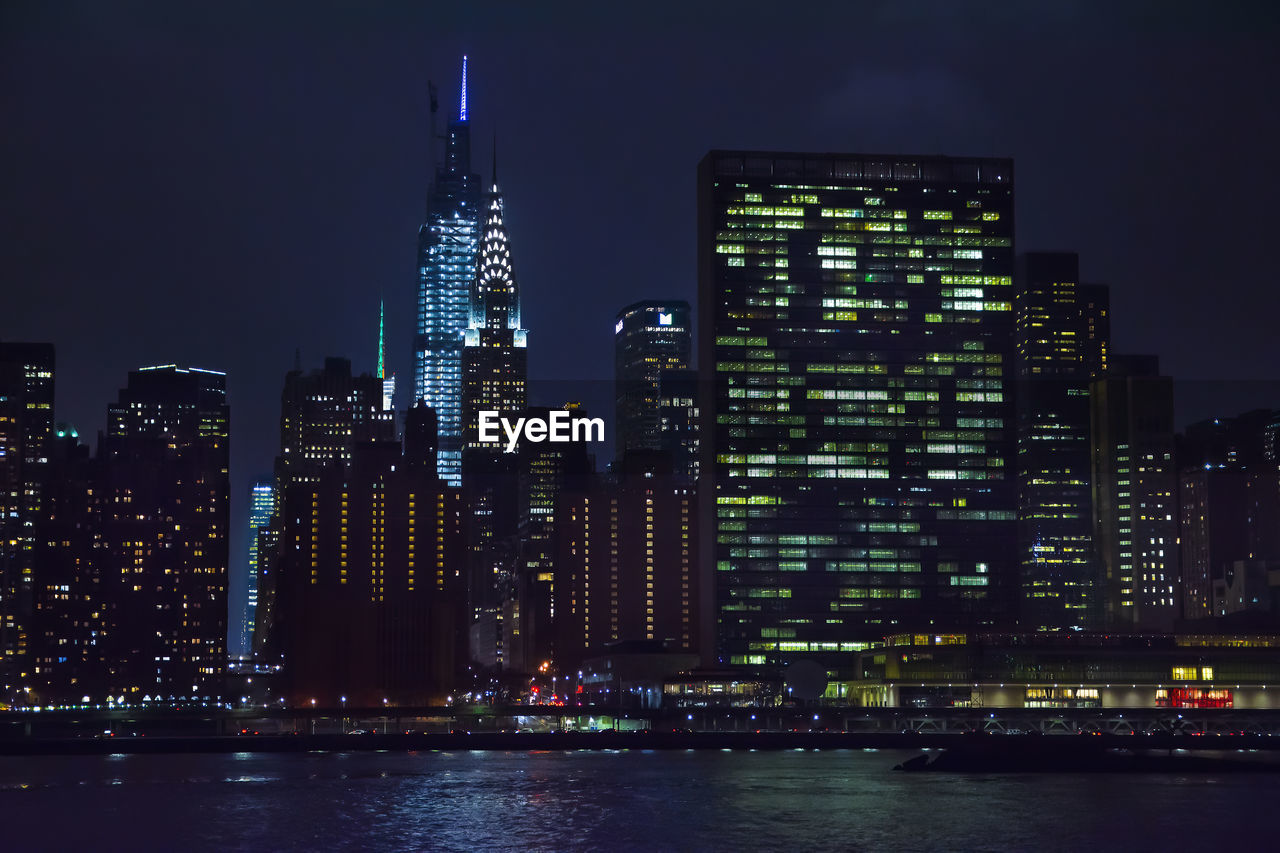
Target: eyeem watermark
(561, 426)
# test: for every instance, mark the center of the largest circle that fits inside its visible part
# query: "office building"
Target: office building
(649, 338)
(494, 379)
(26, 433)
(626, 551)
(368, 603)
(261, 505)
(165, 520)
(324, 416)
(448, 247)
(1060, 341)
(68, 652)
(545, 471)
(679, 421)
(1228, 513)
(1134, 494)
(1070, 670)
(856, 345)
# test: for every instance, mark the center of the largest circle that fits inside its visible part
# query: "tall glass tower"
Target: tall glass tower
(448, 244)
(261, 503)
(1060, 344)
(856, 342)
(649, 338)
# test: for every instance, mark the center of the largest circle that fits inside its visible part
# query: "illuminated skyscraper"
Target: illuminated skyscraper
(26, 437)
(494, 378)
(324, 416)
(165, 519)
(494, 361)
(545, 471)
(626, 552)
(388, 382)
(648, 338)
(261, 504)
(1060, 341)
(448, 245)
(367, 607)
(1135, 488)
(856, 348)
(679, 421)
(71, 584)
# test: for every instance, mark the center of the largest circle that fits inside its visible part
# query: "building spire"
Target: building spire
(495, 160)
(462, 112)
(382, 340)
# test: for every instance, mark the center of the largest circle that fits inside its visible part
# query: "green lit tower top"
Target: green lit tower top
(388, 382)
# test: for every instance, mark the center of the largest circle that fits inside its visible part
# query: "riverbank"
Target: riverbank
(958, 752)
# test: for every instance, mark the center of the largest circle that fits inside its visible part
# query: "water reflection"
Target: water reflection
(618, 799)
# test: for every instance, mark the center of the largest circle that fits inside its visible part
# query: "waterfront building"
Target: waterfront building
(545, 471)
(165, 519)
(649, 338)
(625, 555)
(856, 334)
(1134, 493)
(26, 435)
(448, 248)
(324, 415)
(369, 577)
(1068, 670)
(66, 660)
(1060, 341)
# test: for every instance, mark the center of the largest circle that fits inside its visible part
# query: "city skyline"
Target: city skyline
(826, 389)
(156, 317)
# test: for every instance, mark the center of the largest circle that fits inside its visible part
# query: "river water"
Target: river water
(629, 800)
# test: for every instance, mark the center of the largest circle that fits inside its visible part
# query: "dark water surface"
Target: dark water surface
(631, 800)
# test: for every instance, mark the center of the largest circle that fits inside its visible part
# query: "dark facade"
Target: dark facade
(546, 471)
(26, 437)
(67, 660)
(856, 343)
(1135, 493)
(369, 596)
(1059, 346)
(649, 338)
(1228, 512)
(324, 415)
(165, 519)
(680, 421)
(625, 562)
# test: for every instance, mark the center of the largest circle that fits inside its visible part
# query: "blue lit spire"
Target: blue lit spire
(462, 112)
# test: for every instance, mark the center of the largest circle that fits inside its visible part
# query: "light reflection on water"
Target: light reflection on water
(632, 799)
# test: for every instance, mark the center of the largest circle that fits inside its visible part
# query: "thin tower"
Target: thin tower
(448, 246)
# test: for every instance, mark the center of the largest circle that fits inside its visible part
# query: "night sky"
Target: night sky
(215, 185)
